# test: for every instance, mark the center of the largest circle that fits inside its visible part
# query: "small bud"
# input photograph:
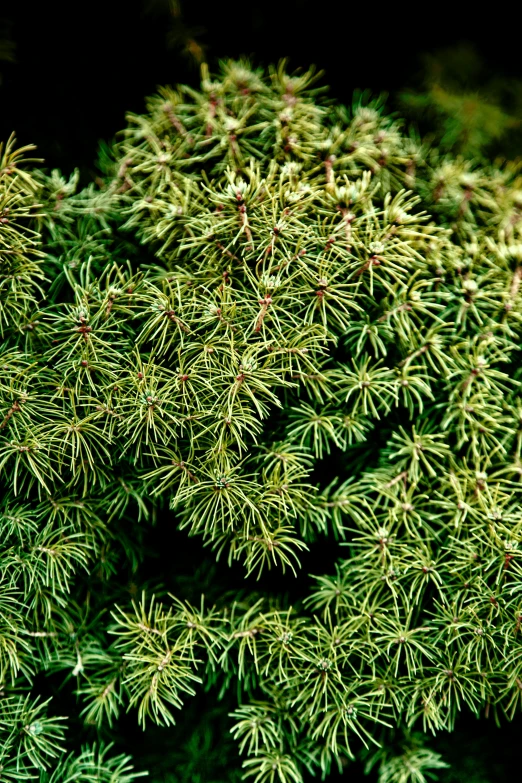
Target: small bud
(376, 247)
(470, 286)
(324, 665)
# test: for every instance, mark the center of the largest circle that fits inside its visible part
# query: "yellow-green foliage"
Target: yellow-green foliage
(319, 336)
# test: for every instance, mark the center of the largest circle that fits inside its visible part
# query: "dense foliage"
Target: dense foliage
(284, 320)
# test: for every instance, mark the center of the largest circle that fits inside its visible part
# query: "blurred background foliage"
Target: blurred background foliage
(467, 106)
(69, 74)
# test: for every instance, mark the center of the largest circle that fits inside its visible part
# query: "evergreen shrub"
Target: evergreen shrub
(283, 327)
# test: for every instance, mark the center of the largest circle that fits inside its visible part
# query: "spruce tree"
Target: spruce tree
(274, 321)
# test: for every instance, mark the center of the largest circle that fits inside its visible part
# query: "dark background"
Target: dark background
(80, 66)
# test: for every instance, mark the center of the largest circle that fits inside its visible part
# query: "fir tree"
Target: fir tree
(282, 319)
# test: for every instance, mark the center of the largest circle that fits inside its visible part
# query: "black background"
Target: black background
(80, 66)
